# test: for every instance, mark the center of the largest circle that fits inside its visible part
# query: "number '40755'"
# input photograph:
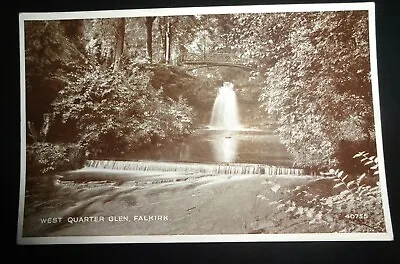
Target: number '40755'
(356, 216)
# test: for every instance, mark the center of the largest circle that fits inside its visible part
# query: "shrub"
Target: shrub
(115, 112)
(44, 158)
(351, 205)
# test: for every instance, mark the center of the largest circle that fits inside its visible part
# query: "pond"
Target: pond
(214, 146)
(225, 140)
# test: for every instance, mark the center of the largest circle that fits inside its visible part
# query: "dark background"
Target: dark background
(387, 29)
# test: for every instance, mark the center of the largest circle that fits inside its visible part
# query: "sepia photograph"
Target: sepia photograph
(203, 124)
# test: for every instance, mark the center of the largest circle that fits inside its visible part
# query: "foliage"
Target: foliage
(100, 40)
(312, 102)
(313, 73)
(44, 158)
(116, 112)
(176, 82)
(316, 77)
(53, 50)
(348, 204)
(322, 94)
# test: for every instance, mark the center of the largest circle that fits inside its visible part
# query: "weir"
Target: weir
(236, 168)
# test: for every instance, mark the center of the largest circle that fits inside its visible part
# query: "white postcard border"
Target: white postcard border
(368, 6)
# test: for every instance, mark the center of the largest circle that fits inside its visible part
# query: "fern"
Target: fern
(371, 162)
(355, 205)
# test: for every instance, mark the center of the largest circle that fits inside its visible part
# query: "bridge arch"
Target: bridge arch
(214, 60)
(208, 64)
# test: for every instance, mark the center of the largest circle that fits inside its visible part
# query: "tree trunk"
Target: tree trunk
(32, 132)
(149, 27)
(119, 43)
(161, 25)
(165, 27)
(182, 53)
(45, 127)
(168, 42)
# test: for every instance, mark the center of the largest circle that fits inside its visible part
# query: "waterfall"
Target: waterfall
(225, 117)
(225, 114)
(236, 168)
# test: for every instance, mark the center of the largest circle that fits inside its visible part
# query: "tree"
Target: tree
(114, 113)
(164, 27)
(102, 38)
(175, 33)
(316, 77)
(321, 95)
(149, 33)
(53, 55)
(120, 39)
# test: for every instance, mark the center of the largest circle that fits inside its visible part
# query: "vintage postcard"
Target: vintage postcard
(231, 123)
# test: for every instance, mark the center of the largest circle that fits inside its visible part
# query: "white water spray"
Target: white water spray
(225, 114)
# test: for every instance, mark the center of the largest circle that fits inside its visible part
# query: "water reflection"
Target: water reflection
(224, 147)
(208, 145)
(184, 153)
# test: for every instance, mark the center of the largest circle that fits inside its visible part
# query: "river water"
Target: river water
(95, 192)
(189, 203)
(210, 146)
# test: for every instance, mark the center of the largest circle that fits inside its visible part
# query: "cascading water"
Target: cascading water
(225, 114)
(156, 166)
(225, 118)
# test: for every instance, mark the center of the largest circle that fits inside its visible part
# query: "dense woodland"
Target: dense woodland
(106, 87)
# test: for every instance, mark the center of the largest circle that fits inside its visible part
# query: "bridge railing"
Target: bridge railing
(212, 57)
